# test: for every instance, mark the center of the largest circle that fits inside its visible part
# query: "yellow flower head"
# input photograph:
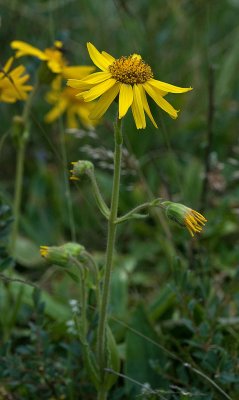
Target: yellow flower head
(185, 216)
(129, 78)
(12, 83)
(64, 101)
(53, 56)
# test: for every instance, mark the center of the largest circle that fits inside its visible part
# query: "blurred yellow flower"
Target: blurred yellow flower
(53, 56)
(12, 83)
(129, 78)
(65, 101)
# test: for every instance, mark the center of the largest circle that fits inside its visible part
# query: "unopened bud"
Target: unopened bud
(62, 255)
(184, 216)
(81, 168)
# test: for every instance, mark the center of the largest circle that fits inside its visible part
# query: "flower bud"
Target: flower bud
(81, 168)
(185, 216)
(62, 255)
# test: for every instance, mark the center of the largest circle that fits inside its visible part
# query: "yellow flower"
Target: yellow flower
(12, 83)
(185, 216)
(129, 78)
(64, 101)
(53, 56)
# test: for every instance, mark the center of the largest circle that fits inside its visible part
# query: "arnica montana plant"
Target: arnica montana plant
(128, 80)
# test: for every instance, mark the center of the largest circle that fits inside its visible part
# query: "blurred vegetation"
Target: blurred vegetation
(174, 303)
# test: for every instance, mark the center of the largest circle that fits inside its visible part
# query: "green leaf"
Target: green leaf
(27, 253)
(164, 301)
(114, 360)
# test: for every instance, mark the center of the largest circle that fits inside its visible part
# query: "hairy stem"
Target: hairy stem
(18, 192)
(101, 340)
(21, 149)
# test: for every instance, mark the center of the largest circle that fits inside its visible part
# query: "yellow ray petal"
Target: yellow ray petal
(78, 72)
(78, 84)
(96, 78)
(159, 100)
(146, 105)
(56, 111)
(71, 119)
(110, 58)
(83, 114)
(104, 102)
(25, 49)
(54, 66)
(166, 87)
(125, 99)
(98, 90)
(98, 59)
(16, 72)
(8, 64)
(137, 109)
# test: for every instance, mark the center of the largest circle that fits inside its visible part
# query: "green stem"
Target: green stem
(69, 204)
(98, 196)
(18, 192)
(95, 272)
(134, 213)
(101, 339)
(21, 150)
(83, 300)
(102, 395)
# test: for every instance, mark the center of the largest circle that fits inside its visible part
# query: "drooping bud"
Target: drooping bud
(81, 168)
(184, 216)
(62, 255)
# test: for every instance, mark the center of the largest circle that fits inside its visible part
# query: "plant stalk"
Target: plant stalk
(18, 192)
(21, 150)
(101, 339)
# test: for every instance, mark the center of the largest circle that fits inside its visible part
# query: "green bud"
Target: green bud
(62, 255)
(81, 168)
(184, 216)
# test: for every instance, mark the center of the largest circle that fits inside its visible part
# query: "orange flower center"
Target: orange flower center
(130, 70)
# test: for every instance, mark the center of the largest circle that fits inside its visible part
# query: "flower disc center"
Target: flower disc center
(130, 70)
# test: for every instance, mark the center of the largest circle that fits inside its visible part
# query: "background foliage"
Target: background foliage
(175, 303)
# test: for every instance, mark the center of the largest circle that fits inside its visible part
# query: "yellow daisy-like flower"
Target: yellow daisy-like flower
(12, 83)
(53, 56)
(64, 101)
(129, 78)
(185, 216)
